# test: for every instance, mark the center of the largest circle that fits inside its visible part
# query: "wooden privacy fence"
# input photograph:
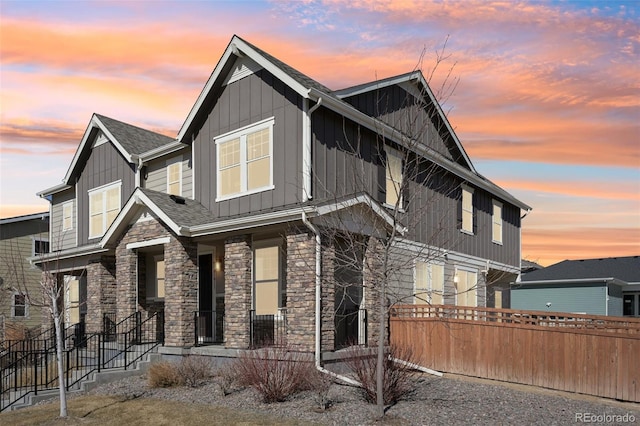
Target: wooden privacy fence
(594, 355)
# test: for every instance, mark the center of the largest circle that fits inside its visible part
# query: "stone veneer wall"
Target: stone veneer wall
(237, 291)
(328, 322)
(181, 291)
(301, 276)
(101, 291)
(372, 275)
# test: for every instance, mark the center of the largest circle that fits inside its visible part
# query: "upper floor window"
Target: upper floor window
(467, 209)
(104, 206)
(19, 306)
(174, 178)
(429, 283)
(40, 246)
(496, 222)
(67, 216)
(244, 160)
(393, 177)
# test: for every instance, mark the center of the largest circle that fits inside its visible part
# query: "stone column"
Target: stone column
(372, 275)
(126, 266)
(301, 277)
(101, 292)
(181, 291)
(237, 291)
(328, 295)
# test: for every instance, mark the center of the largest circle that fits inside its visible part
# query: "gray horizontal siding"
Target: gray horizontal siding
(63, 239)
(590, 299)
(156, 174)
(104, 165)
(256, 97)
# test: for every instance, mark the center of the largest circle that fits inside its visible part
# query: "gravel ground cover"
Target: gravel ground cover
(435, 401)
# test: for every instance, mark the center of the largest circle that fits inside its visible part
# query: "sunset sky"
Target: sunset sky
(547, 104)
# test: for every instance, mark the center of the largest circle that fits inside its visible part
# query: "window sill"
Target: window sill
(242, 194)
(464, 231)
(496, 242)
(393, 208)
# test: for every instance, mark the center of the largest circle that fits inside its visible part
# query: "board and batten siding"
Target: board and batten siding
(574, 298)
(103, 166)
(349, 159)
(156, 172)
(60, 239)
(249, 100)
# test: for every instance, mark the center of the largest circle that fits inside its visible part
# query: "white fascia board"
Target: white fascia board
(237, 43)
(148, 243)
(404, 78)
(135, 202)
(23, 218)
(575, 281)
(362, 199)
(169, 148)
(53, 190)
(389, 132)
(248, 222)
(94, 123)
(67, 254)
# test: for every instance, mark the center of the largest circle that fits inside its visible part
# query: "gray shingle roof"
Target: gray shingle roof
(623, 268)
(135, 140)
(191, 213)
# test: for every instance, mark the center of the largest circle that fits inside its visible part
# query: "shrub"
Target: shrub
(227, 378)
(319, 383)
(397, 378)
(274, 372)
(164, 375)
(194, 369)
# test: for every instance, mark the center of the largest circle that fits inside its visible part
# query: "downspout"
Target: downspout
(306, 148)
(138, 178)
(318, 300)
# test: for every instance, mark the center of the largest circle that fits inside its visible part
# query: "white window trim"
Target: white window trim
(494, 223)
(156, 259)
(471, 191)
(65, 205)
(169, 163)
(273, 242)
(33, 244)
(13, 305)
(241, 133)
(429, 277)
(467, 270)
(104, 188)
(389, 151)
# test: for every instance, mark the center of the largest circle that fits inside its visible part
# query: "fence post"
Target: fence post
(195, 328)
(35, 374)
(100, 337)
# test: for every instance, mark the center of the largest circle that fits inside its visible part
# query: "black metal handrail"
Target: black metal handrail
(208, 327)
(268, 330)
(37, 370)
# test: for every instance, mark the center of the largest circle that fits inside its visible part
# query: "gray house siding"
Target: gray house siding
(256, 97)
(614, 301)
(575, 298)
(104, 165)
(156, 174)
(60, 239)
(401, 110)
(349, 159)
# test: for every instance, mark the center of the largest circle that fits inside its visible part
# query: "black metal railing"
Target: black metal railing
(351, 327)
(208, 327)
(268, 330)
(121, 346)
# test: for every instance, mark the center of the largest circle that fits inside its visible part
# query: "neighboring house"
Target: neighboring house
(609, 286)
(217, 227)
(21, 237)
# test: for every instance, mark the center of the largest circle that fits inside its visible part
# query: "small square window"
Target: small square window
(19, 308)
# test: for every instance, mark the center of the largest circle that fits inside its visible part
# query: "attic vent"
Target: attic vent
(177, 199)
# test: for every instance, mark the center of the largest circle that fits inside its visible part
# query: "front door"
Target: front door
(205, 317)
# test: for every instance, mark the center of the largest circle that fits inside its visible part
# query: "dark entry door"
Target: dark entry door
(205, 316)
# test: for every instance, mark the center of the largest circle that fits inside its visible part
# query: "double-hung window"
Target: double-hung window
(393, 175)
(104, 206)
(267, 290)
(67, 216)
(174, 177)
(19, 306)
(244, 160)
(496, 223)
(467, 209)
(429, 283)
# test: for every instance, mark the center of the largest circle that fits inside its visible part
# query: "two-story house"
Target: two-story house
(21, 237)
(238, 228)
